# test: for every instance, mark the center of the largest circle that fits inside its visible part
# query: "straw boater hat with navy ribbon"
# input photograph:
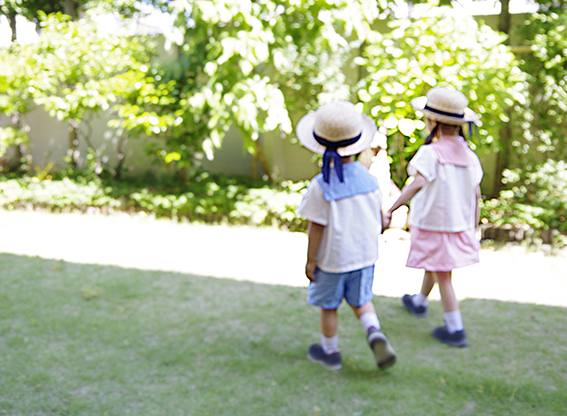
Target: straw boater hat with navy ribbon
(334, 130)
(445, 105)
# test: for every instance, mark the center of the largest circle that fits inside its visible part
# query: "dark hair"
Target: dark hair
(429, 138)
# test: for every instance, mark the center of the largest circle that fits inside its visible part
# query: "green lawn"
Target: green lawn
(100, 340)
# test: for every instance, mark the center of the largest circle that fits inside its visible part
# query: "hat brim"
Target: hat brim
(304, 131)
(419, 103)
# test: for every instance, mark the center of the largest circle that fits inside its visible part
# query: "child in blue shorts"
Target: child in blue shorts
(343, 207)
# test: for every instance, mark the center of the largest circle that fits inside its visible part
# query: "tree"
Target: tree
(16, 100)
(440, 50)
(81, 72)
(546, 113)
(541, 135)
(30, 9)
(505, 146)
(245, 64)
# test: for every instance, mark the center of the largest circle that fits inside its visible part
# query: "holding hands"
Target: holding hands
(386, 220)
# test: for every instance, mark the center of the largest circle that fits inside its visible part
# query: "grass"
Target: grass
(99, 340)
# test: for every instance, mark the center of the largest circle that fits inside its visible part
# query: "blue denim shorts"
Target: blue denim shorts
(329, 289)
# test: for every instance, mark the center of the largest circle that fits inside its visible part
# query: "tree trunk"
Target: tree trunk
(396, 146)
(73, 151)
(261, 155)
(503, 156)
(16, 162)
(12, 20)
(504, 19)
(254, 168)
(121, 158)
(71, 8)
(25, 147)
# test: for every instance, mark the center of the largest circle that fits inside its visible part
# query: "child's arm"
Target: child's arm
(382, 219)
(408, 192)
(477, 212)
(315, 233)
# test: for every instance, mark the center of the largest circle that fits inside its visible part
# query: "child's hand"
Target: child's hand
(310, 270)
(386, 220)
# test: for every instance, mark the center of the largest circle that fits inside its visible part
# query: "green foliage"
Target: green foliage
(546, 188)
(16, 101)
(16, 81)
(80, 70)
(257, 65)
(10, 136)
(246, 64)
(444, 49)
(74, 72)
(535, 200)
(506, 211)
(213, 84)
(31, 8)
(206, 198)
(57, 195)
(544, 117)
(313, 45)
(126, 8)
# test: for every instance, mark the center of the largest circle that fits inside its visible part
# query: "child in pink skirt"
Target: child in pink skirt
(444, 210)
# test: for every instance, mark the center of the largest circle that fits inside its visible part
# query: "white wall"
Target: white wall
(49, 143)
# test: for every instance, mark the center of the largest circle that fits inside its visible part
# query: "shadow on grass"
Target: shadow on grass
(81, 339)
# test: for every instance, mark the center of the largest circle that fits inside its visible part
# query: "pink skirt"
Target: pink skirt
(437, 251)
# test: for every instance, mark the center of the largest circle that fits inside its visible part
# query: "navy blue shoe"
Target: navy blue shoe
(419, 311)
(455, 339)
(380, 346)
(318, 355)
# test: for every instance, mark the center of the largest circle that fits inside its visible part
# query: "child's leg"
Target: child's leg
(448, 298)
(377, 340)
(449, 301)
(329, 327)
(417, 304)
(329, 322)
(426, 286)
(427, 283)
(327, 353)
(367, 316)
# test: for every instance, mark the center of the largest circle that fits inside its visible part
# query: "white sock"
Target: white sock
(330, 345)
(454, 321)
(419, 300)
(369, 320)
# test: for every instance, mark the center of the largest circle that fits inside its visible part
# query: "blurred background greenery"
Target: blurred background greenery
(252, 68)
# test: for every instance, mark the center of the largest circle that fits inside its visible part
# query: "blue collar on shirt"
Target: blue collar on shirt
(357, 181)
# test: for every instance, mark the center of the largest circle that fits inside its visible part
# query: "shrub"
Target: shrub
(205, 198)
(535, 202)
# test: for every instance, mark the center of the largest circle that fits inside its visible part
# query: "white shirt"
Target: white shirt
(352, 226)
(447, 202)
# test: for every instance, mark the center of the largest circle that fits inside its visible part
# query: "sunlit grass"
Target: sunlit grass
(94, 340)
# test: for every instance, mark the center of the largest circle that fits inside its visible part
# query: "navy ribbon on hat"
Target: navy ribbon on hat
(473, 128)
(332, 154)
(444, 113)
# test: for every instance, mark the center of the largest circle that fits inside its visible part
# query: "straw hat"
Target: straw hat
(445, 105)
(336, 122)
